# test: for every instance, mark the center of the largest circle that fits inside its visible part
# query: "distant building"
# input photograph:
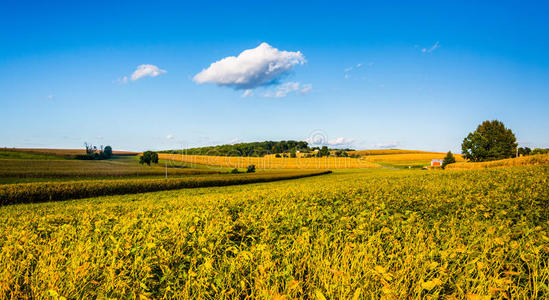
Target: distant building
(436, 162)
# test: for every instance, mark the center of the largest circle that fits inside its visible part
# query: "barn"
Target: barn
(436, 162)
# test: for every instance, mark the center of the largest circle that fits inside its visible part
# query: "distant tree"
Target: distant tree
(293, 154)
(490, 141)
(234, 171)
(148, 157)
(539, 151)
(108, 151)
(324, 151)
(251, 169)
(449, 159)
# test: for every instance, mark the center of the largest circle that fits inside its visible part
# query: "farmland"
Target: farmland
(532, 160)
(270, 162)
(352, 234)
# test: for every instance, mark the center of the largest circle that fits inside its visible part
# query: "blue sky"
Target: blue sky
(366, 75)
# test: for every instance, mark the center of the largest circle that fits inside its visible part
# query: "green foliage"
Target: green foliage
(490, 141)
(539, 151)
(251, 169)
(148, 157)
(234, 171)
(448, 159)
(108, 151)
(324, 151)
(92, 153)
(258, 149)
(293, 154)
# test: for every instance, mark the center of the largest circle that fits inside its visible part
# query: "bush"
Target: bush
(449, 159)
(251, 169)
(148, 157)
(108, 151)
(234, 171)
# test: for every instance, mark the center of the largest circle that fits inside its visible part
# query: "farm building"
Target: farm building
(436, 162)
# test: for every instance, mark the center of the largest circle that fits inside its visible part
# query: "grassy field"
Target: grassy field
(69, 153)
(356, 234)
(122, 166)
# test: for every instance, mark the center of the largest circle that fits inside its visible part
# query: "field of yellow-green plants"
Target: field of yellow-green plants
(531, 160)
(270, 162)
(353, 234)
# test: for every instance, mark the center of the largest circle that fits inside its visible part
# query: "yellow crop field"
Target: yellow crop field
(270, 162)
(409, 157)
(353, 234)
(531, 160)
(389, 151)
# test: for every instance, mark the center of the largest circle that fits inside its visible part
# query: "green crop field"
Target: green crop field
(356, 234)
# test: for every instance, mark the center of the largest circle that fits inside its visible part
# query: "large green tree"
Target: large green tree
(490, 141)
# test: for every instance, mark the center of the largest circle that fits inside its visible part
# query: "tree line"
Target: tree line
(259, 149)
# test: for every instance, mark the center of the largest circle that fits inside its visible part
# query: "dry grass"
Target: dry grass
(531, 160)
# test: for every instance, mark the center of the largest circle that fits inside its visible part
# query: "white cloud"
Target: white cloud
(341, 141)
(170, 137)
(252, 68)
(144, 71)
(433, 48)
(247, 93)
(234, 141)
(306, 88)
(289, 87)
(388, 145)
(51, 96)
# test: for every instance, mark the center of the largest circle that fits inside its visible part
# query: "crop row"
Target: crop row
(56, 191)
(23, 168)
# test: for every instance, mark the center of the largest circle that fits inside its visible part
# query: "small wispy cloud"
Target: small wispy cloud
(170, 137)
(289, 87)
(50, 96)
(341, 142)
(433, 48)
(389, 145)
(234, 141)
(247, 93)
(141, 71)
(346, 71)
(146, 71)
